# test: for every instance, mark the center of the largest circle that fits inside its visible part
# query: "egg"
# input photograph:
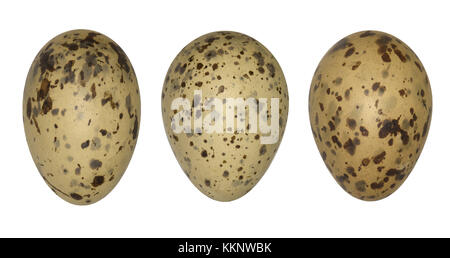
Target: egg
(81, 113)
(370, 110)
(225, 107)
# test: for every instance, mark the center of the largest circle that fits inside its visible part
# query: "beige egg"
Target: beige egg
(370, 111)
(225, 106)
(81, 113)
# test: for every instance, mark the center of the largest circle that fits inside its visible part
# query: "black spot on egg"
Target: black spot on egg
(98, 180)
(85, 144)
(262, 150)
(95, 164)
(76, 196)
(121, 57)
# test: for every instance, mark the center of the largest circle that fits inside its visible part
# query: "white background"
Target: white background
(297, 197)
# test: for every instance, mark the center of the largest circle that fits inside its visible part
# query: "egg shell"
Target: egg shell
(81, 113)
(227, 164)
(370, 111)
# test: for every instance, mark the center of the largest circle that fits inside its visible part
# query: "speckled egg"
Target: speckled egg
(224, 106)
(81, 113)
(370, 110)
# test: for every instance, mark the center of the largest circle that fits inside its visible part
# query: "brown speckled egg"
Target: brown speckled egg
(370, 110)
(81, 113)
(219, 95)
